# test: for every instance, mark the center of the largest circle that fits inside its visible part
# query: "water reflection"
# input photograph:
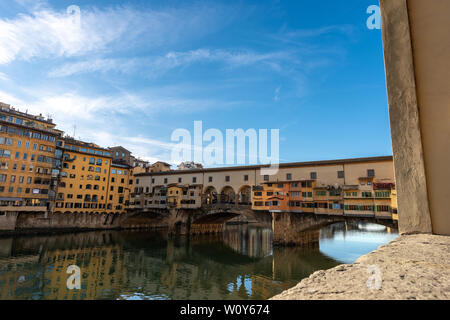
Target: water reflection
(348, 241)
(240, 264)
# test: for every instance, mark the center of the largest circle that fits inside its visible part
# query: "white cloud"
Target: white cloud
(48, 33)
(155, 66)
(277, 93)
(3, 76)
(317, 32)
(105, 120)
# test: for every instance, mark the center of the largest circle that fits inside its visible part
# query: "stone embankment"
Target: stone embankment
(409, 267)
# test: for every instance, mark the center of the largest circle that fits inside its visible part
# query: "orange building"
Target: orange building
(119, 189)
(27, 148)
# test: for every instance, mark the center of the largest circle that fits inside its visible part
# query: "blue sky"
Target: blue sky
(133, 71)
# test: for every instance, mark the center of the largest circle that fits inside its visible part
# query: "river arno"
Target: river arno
(240, 264)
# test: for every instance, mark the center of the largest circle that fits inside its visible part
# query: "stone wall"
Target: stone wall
(8, 221)
(298, 229)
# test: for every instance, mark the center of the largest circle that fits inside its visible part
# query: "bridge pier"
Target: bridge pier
(299, 229)
(8, 220)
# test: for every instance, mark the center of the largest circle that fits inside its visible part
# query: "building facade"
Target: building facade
(27, 148)
(363, 187)
(90, 180)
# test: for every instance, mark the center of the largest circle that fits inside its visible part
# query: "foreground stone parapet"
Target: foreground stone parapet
(410, 267)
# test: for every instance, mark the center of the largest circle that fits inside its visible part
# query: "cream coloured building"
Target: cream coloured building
(234, 183)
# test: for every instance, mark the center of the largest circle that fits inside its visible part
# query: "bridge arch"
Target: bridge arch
(244, 195)
(210, 195)
(227, 195)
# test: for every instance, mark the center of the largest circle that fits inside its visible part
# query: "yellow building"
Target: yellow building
(307, 199)
(328, 200)
(27, 148)
(120, 184)
(174, 193)
(184, 196)
(159, 166)
(84, 182)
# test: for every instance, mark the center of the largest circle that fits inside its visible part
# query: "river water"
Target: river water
(239, 264)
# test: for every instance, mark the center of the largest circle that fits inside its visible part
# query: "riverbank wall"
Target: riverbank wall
(30, 223)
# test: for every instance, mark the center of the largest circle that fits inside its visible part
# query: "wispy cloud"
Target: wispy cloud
(3, 76)
(47, 33)
(305, 36)
(158, 65)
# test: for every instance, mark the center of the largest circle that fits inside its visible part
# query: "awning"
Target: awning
(11, 199)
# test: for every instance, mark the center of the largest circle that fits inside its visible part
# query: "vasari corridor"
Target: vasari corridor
(213, 159)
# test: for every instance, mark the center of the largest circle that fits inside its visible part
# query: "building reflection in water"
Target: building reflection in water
(239, 264)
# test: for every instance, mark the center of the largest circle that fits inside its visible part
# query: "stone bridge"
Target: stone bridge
(299, 228)
(288, 228)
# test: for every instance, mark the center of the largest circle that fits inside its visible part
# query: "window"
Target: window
(340, 174)
(313, 175)
(383, 208)
(266, 177)
(210, 179)
(246, 177)
(179, 180)
(371, 173)
(91, 160)
(194, 180)
(288, 176)
(382, 194)
(227, 178)
(165, 180)
(2, 177)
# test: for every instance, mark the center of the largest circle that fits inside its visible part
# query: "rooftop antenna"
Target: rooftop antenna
(74, 130)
